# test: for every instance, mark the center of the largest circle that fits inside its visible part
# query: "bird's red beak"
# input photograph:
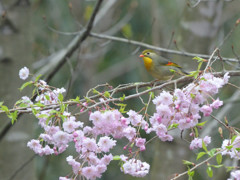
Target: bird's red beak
(141, 55)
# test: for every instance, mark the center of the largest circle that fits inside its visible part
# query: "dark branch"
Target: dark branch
(76, 42)
(22, 166)
(74, 45)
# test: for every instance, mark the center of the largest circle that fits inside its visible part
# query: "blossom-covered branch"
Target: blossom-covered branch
(177, 109)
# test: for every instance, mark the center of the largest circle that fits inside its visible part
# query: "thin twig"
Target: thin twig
(196, 166)
(137, 43)
(121, 89)
(219, 121)
(209, 60)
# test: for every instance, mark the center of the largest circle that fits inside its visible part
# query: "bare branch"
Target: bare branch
(76, 42)
(137, 43)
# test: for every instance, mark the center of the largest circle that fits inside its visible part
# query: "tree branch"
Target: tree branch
(156, 86)
(137, 43)
(76, 42)
(196, 166)
(65, 54)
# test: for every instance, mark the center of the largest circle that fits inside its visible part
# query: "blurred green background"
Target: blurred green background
(32, 31)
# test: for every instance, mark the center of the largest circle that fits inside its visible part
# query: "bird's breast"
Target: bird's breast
(147, 63)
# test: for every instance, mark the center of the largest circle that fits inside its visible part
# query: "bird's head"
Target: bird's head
(149, 56)
(148, 53)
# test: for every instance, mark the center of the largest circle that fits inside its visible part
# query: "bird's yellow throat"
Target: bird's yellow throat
(147, 62)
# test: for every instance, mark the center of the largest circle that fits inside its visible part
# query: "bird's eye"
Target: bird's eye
(148, 53)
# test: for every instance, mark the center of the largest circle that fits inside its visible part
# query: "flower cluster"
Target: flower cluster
(197, 142)
(92, 143)
(231, 148)
(135, 167)
(235, 175)
(183, 106)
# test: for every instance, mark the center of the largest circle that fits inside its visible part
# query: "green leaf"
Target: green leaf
(122, 107)
(88, 100)
(39, 104)
(107, 94)
(152, 95)
(49, 118)
(53, 111)
(199, 66)
(34, 90)
(13, 116)
(5, 109)
(18, 102)
(196, 131)
(203, 79)
(95, 91)
(230, 168)
(1, 103)
(191, 173)
(204, 146)
(199, 59)
(209, 171)
(217, 166)
(34, 111)
(233, 138)
(43, 116)
(192, 96)
(25, 85)
(62, 107)
(193, 74)
(188, 162)
(200, 155)
(201, 124)
(47, 97)
(60, 97)
(219, 158)
(38, 77)
(122, 98)
(63, 117)
(77, 99)
(229, 147)
(116, 158)
(238, 149)
(23, 105)
(212, 152)
(173, 126)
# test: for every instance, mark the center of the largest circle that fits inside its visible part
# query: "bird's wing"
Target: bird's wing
(165, 62)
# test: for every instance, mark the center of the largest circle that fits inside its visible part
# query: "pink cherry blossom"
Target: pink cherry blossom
(106, 159)
(216, 104)
(206, 110)
(106, 143)
(90, 144)
(135, 168)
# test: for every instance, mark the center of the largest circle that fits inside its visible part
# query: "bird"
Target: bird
(160, 67)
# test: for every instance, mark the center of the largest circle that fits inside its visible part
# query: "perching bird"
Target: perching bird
(159, 67)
